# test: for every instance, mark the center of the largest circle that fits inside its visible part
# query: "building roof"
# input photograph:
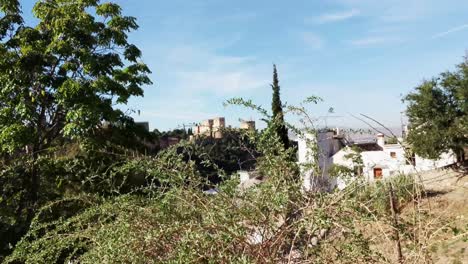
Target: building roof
(379, 166)
(369, 146)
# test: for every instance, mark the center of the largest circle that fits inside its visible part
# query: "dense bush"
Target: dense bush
(375, 197)
(103, 206)
(93, 172)
(272, 222)
(218, 158)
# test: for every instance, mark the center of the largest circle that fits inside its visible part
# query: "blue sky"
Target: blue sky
(360, 56)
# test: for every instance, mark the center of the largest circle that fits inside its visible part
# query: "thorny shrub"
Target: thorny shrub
(272, 222)
(171, 219)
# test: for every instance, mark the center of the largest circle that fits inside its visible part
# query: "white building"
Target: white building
(379, 160)
(327, 143)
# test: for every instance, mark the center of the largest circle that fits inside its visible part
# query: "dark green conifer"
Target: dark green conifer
(277, 110)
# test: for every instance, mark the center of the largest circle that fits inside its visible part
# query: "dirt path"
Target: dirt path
(448, 205)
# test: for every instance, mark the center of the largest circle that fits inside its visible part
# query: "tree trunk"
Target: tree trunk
(395, 224)
(34, 179)
(460, 156)
(34, 185)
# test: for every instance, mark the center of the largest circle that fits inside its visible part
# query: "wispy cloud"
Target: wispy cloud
(370, 41)
(221, 81)
(450, 31)
(334, 17)
(176, 110)
(204, 69)
(403, 11)
(176, 114)
(194, 78)
(313, 40)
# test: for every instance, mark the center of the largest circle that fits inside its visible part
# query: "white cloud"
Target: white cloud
(313, 40)
(202, 69)
(175, 110)
(335, 17)
(369, 41)
(452, 30)
(179, 115)
(391, 10)
(406, 11)
(221, 81)
(403, 11)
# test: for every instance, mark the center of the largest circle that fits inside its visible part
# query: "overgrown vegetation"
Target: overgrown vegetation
(272, 222)
(172, 220)
(78, 184)
(217, 159)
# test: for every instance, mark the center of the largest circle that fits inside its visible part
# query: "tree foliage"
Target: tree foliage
(438, 114)
(277, 110)
(61, 78)
(218, 158)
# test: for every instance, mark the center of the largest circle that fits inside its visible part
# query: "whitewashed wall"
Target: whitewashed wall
(391, 166)
(326, 146)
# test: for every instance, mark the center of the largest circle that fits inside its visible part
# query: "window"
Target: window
(393, 155)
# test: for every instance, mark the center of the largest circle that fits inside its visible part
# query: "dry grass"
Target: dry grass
(440, 233)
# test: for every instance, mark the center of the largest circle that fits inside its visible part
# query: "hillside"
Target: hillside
(444, 220)
(448, 206)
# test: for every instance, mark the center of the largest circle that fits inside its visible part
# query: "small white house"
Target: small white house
(379, 160)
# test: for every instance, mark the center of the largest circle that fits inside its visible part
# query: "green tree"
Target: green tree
(61, 78)
(438, 114)
(277, 109)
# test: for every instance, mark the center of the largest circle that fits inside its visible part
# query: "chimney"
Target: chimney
(244, 176)
(381, 140)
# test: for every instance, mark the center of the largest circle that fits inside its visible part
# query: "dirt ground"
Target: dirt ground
(447, 202)
(442, 223)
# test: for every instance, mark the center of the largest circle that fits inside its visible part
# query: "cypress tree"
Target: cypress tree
(277, 110)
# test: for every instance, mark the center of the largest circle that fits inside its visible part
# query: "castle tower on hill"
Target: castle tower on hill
(219, 124)
(214, 127)
(247, 125)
